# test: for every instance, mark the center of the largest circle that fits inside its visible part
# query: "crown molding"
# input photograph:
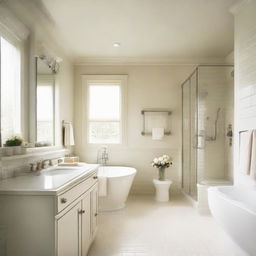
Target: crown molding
(11, 23)
(35, 16)
(89, 61)
(238, 6)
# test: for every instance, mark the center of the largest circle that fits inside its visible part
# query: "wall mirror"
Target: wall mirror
(45, 103)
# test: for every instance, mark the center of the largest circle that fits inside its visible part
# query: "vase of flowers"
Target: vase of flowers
(162, 185)
(162, 163)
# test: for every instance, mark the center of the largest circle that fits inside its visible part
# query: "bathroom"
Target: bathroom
(96, 111)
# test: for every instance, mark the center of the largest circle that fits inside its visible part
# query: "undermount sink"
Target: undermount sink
(70, 166)
(63, 170)
(59, 171)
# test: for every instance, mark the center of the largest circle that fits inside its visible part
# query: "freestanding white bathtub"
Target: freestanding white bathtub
(235, 208)
(119, 182)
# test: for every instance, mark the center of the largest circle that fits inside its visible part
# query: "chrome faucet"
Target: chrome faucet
(39, 165)
(102, 156)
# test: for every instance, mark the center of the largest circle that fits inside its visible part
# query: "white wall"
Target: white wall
(148, 87)
(245, 79)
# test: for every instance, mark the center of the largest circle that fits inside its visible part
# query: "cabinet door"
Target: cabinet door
(86, 223)
(68, 232)
(94, 210)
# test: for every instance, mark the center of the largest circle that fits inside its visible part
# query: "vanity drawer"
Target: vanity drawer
(72, 194)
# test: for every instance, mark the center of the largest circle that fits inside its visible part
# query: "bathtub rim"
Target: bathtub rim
(132, 173)
(237, 203)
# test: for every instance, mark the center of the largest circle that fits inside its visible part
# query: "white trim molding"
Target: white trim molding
(145, 61)
(9, 22)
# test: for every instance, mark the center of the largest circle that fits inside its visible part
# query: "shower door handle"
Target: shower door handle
(195, 142)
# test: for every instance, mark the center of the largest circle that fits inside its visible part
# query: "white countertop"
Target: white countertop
(50, 181)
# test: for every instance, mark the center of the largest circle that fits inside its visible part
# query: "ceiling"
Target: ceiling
(178, 29)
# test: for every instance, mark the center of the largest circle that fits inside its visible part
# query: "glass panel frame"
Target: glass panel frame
(208, 144)
(189, 134)
(108, 133)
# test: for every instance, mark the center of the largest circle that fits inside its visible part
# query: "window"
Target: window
(10, 79)
(105, 111)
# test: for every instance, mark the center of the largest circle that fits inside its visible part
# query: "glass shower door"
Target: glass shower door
(186, 136)
(194, 137)
(189, 136)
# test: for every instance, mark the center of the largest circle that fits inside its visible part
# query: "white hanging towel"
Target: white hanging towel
(157, 133)
(68, 134)
(253, 156)
(245, 149)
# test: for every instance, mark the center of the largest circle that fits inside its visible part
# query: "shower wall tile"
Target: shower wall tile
(229, 119)
(245, 80)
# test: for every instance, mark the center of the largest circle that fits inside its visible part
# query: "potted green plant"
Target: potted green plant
(13, 145)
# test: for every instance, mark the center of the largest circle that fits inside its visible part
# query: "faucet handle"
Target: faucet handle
(39, 165)
(45, 164)
(33, 167)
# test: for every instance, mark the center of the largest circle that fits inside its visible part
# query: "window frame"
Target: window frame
(21, 47)
(120, 80)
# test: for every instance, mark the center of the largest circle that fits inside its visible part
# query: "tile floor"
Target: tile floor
(147, 228)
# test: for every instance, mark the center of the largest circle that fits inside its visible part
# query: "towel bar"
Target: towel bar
(164, 111)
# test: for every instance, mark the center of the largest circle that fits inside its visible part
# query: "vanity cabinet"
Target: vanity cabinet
(62, 223)
(86, 221)
(68, 232)
(76, 227)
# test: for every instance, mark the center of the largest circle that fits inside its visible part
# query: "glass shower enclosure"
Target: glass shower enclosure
(207, 119)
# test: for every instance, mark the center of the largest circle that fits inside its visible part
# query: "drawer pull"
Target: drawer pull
(81, 211)
(96, 214)
(95, 177)
(63, 200)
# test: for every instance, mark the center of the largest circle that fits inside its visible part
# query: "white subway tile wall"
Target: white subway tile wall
(245, 79)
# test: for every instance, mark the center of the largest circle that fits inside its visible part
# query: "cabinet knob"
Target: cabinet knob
(81, 211)
(63, 200)
(95, 177)
(96, 214)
